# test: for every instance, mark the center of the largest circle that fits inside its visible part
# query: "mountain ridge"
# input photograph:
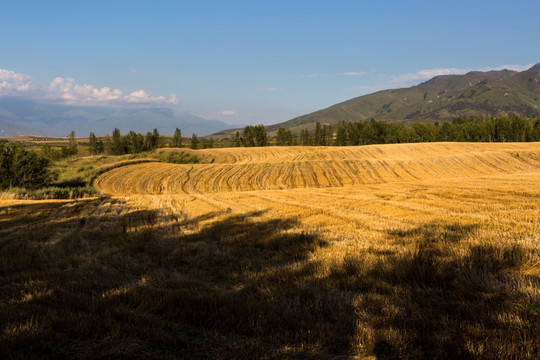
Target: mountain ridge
(441, 98)
(30, 117)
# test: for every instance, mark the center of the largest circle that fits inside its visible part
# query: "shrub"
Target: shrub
(22, 168)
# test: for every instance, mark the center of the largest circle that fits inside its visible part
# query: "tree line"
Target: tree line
(463, 129)
(471, 129)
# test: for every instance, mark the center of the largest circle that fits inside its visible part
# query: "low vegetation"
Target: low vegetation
(431, 252)
(20, 167)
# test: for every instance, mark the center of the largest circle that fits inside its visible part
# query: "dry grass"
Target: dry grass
(238, 169)
(439, 267)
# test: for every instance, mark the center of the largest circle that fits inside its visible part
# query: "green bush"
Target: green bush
(54, 192)
(22, 168)
(178, 157)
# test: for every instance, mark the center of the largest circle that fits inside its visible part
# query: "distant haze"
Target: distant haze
(31, 117)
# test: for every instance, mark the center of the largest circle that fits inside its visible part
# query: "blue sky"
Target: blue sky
(252, 61)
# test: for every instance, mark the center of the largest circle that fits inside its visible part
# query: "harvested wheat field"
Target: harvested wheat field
(379, 252)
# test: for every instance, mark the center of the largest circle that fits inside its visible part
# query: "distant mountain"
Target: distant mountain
(29, 117)
(442, 98)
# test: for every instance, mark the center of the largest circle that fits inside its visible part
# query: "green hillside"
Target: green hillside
(496, 93)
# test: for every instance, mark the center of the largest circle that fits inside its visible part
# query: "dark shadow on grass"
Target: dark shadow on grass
(107, 282)
(451, 305)
(97, 284)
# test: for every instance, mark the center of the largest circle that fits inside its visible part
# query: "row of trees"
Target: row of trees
(485, 129)
(131, 143)
(473, 129)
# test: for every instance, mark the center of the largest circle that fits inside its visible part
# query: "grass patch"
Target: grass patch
(53, 192)
(178, 157)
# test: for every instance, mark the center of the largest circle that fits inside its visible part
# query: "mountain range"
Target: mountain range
(442, 98)
(31, 117)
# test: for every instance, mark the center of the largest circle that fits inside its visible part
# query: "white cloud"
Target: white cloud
(70, 92)
(262, 88)
(315, 75)
(428, 74)
(12, 83)
(227, 113)
(353, 73)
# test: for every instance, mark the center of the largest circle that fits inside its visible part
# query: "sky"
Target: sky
(252, 62)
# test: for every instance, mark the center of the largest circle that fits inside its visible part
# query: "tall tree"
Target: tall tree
(261, 137)
(194, 141)
(133, 142)
(318, 134)
(116, 146)
(305, 137)
(341, 135)
(155, 139)
(177, 138)
(248, 136)
(93, 144)
(284, 137)
(72, 147)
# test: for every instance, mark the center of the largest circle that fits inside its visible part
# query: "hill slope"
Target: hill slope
(496, 93)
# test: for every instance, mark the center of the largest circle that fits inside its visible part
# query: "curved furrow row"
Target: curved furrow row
(314, 167)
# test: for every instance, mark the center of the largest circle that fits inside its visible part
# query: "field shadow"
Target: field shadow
(445, 299)
(95, 279)
(89, 278)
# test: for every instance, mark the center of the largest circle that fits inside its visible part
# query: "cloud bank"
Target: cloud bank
(69, 92)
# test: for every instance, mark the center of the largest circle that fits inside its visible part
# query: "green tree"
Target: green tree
(207, 143)
(327, 135)
(155, 139)
(261, 137)
(23, 168)
(235, 140)
(341, 135)
(317, 138)
(93, 144)
(133, 143)
(115, 146)
(48, 152)
(248, 136)
(194, 141)
(305, 137)
(284, 137)
(72, 147)
(177, 138)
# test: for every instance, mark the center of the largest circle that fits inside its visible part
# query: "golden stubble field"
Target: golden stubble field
(387, 251)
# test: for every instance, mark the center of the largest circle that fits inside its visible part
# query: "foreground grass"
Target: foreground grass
(386, 267)
(446, 269)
